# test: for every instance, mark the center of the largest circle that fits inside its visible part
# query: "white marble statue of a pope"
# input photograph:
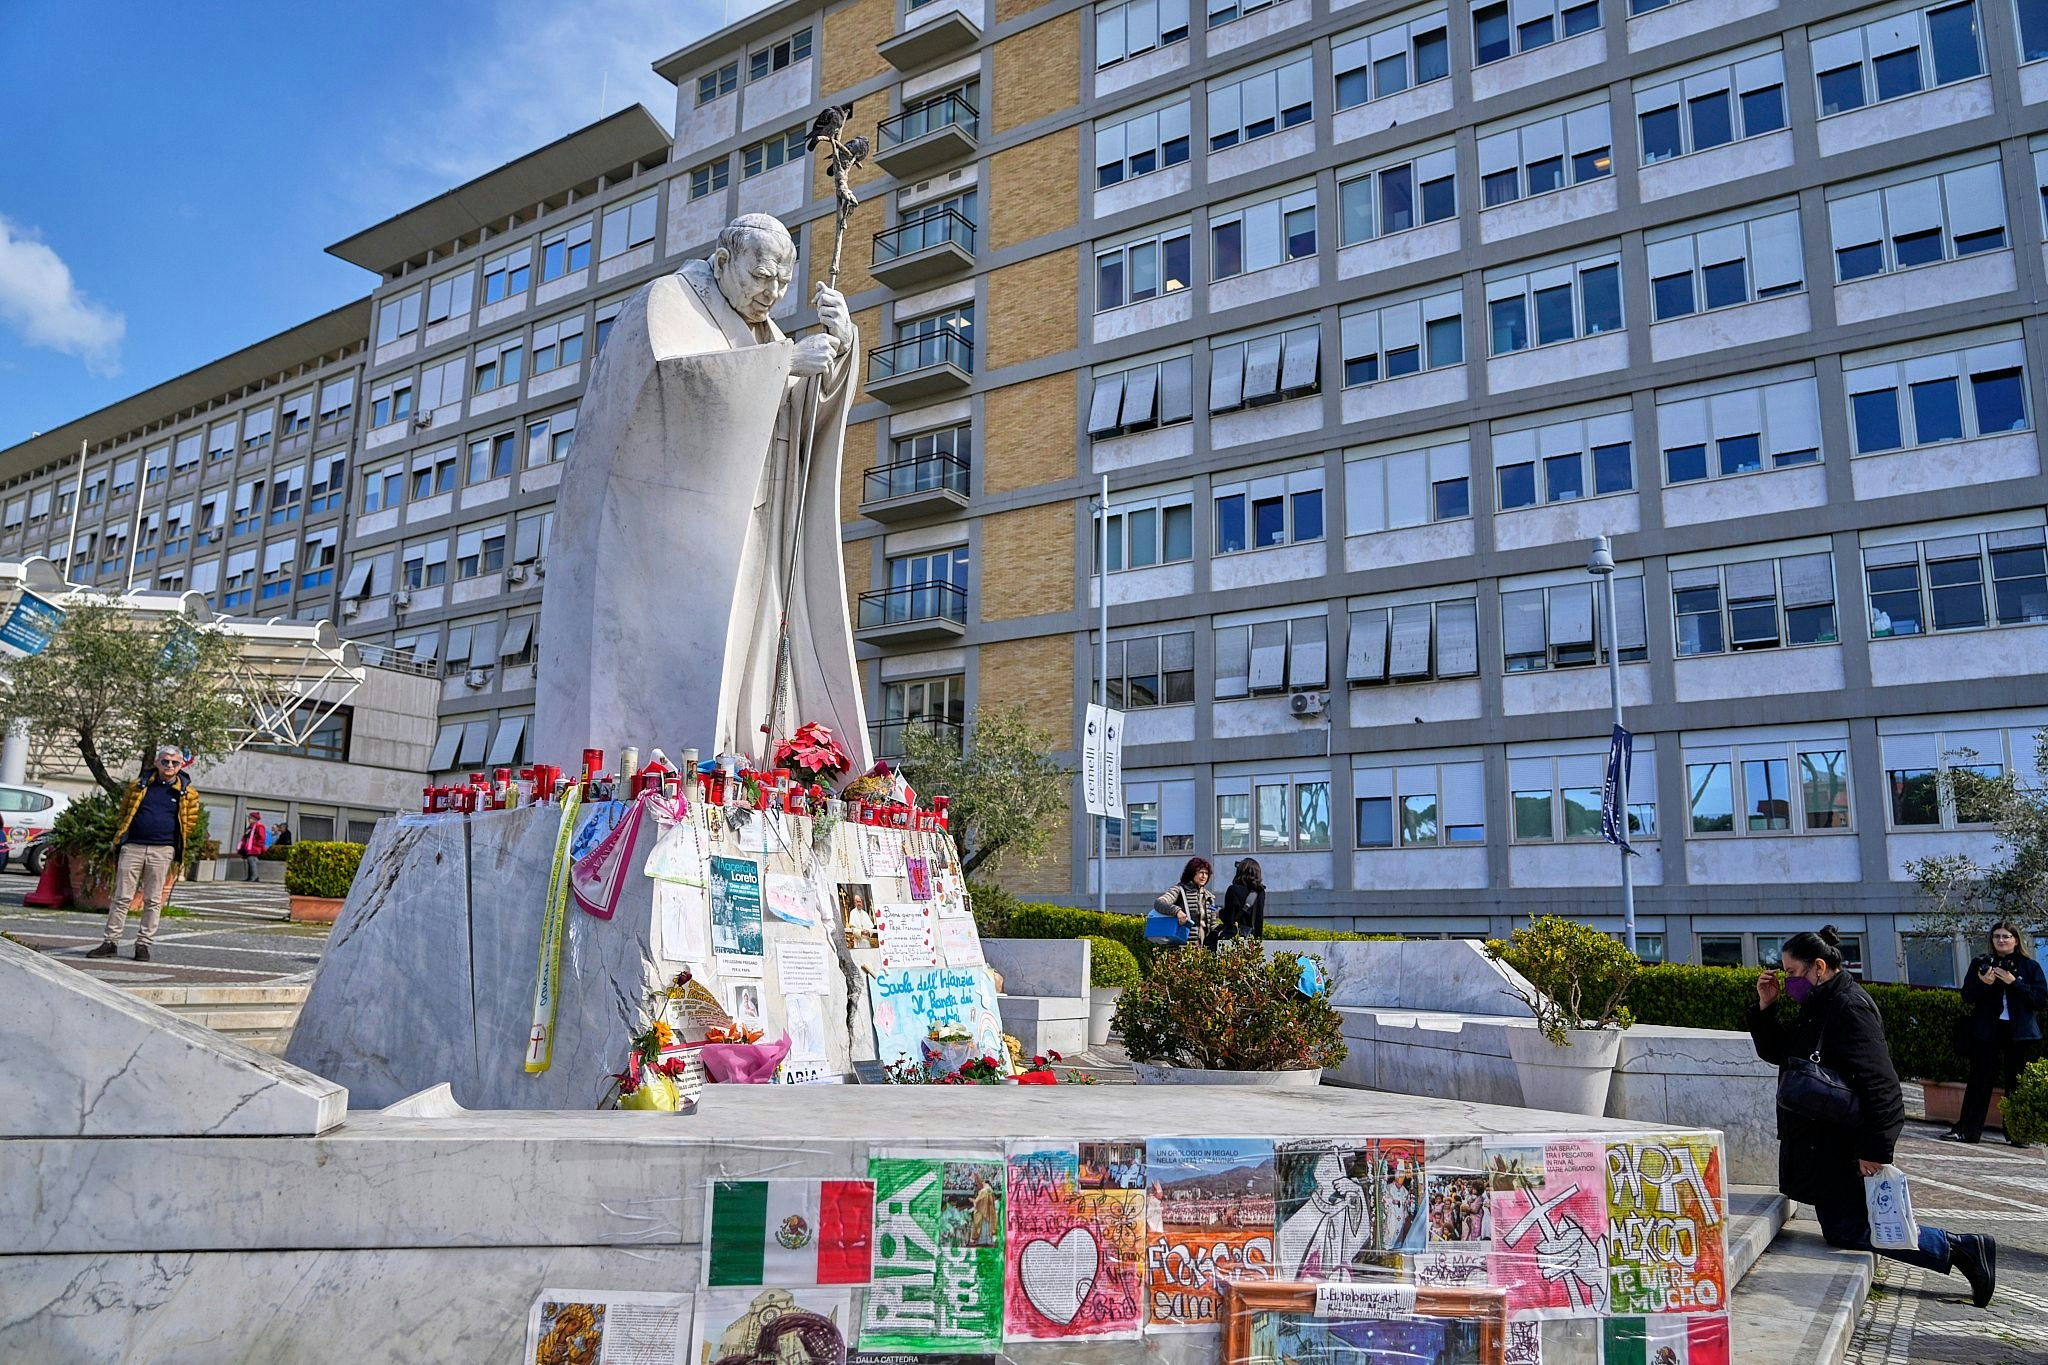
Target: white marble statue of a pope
(706, 463)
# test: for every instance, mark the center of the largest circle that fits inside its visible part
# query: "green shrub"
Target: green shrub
(1680, 995)
(992, 907)
(2026, 1108)
(84, 831)
(1235, 1009)
(1111, 964)
(1922, 1028)
(320, 868)
(274, 854)
(1063, 921)
(200, 845)
(1581, 976)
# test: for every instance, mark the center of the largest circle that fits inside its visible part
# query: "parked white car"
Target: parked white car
(29, 813)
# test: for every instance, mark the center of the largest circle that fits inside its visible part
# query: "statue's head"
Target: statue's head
(754, 263)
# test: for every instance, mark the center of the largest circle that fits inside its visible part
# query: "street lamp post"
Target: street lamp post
(1601, 566)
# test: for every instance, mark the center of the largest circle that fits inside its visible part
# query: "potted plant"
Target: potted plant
(84, 833)
(1577, 981)
(1231, 1017)
(1111, 969)
(317, 876)
(2026, 1108)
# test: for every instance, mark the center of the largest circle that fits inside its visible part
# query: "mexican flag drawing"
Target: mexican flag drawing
(789, 1232)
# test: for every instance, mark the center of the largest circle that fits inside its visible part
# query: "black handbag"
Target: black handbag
(1817, 1093)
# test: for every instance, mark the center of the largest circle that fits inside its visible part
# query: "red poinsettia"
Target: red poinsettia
(813, 753)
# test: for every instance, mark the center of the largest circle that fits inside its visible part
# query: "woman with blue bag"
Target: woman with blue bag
(1187, 911)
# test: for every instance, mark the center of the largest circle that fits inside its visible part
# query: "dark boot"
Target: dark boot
(142, 952)
(104, 950)
(1976, 1255)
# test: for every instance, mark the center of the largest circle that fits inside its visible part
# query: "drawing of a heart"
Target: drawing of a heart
(1058, 1275)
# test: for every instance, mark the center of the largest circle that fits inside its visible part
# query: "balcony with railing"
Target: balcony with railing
(923, 611)
(931, 485)
(931, 29)
(924, 251)
(921, 366)
(927, 136)
(890, 737)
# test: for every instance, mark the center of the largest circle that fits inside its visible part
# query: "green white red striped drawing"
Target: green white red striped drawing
(789, 1232)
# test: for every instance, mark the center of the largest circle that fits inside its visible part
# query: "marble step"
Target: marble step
(259, 1015)
(1756, 1214)
(1799, 1301)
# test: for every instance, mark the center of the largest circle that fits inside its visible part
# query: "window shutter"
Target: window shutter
(1177, 389)
(1751, 581)
(1366, 660)
(1630, 627)
(358, 580)
(1308, 662)
(1407, 488)
(1269, 656)
(1304, 357)
(1571, 615)
(1261, 368)
(1226, 378)
(1410, 653)
(1792, 416)
(1109, 397)
(1911, 751)
(505, 747)
(1976, 199)
(1913, 207)
(459, 646)
(1457, 639)
(1141, 389)
(444, 748)
(1522, 622)
(1809, 580)
(1776, 259)
(1464, 794)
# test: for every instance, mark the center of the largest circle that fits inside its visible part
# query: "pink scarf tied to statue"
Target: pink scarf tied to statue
(597, 878)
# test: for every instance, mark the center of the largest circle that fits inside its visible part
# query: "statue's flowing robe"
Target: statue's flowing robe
(673, 538)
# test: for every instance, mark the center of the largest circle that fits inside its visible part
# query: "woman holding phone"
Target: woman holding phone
(1823, 1164)
(2006, 991)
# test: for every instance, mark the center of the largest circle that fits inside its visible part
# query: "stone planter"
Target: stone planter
(1101, 1006)
(1306, 1079)
(204, 870)
(1572, 1079)
(316, 909)
(1944, 1103)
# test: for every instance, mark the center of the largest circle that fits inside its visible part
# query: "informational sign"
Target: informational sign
(1102, 762)
(908, 1005)
(736, 915)
(29, 627)
(1091, 760)
(1613, 793)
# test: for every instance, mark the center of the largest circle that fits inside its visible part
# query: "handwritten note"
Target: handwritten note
(907, 936)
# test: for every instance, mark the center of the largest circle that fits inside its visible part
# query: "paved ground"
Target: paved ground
(214, 932)
(1916, 1316)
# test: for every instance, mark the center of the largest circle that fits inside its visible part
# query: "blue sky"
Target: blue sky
(172, 173)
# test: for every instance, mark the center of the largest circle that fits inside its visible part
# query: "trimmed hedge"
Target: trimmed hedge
(321, 868)
(1063, 921)
(1111, 964)
(1922, 1024)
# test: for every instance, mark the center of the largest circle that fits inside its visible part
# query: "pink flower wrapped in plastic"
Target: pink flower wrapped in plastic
(744, 1063)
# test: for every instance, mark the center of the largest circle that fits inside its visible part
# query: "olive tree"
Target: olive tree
(1963, 895)
(1007, 794)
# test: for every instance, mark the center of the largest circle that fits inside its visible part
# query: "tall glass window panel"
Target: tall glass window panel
(1824, 789)
(1711, 798)
(1767, 795)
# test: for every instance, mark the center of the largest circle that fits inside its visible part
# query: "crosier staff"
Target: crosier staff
(842, 158)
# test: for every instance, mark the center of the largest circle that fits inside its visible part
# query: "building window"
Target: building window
(716, 85)
(1560, 303)
(558, 344)
(1950, 396)
(450, 297)
(1262, 235)
(317, 568)
(1145, 268)
(1264, 514)
(498, 366)
(1273, 813)
(1252, 371)
(1933, 780)
(795, 48)
(1152, 670)
(1958, 582)
(1709, 109)
(1757, 604)
(1222, 12)
(935, 705)
(1159, 819)
(1498, 34)
(1260, 105)
(384, 488)
(479, 552)
(1157, 394)
(1749, 789)
(256, 429)
(922, 587)
(565, 252)
(710, 177)
(1141, 144)
(1549, 154)
(1726, 265)
(628, 225)
(1564, 461)
(1918, 222)
(1557, 799)
(530, 536)
(399, 317)
(549, 438)
(287, 492)
(391, 403)
(1561, 626)
(1420, 805)
(491, 457)
(1268, 657)
(1137, 27)
(1740, 431)
(1897, 56)
(1413, 642)
(1147, 532)
(433, 473)
(509, 275)
(1408, 488)
(220, 443)
(1413, 192)
(772, 152)
(1401, 339)
(1387, 61)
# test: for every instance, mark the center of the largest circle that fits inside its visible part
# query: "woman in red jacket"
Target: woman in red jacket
(255, 839)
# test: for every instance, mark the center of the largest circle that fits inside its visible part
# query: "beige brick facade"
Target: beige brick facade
(1052, 875)
(1036, 674)
(1032, 434)
(1027, 562)
(851, 36)
(861, 226)
(1038, 72)
(1006, 10)
(1031, 308)
(868, 113)
(859, 559)
(1032, 189)
(868, 322)
(860, 457)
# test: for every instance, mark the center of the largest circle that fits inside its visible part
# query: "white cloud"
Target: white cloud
(39, 300)
(536, 72)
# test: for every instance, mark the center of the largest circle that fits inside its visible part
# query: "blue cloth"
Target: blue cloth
(156, 820)
(1849, 1227)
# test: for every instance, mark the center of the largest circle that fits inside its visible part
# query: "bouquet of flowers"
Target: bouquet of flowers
(660, 1074)
(814, 754)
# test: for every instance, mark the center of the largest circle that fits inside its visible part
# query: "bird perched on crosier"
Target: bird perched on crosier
(825, 127)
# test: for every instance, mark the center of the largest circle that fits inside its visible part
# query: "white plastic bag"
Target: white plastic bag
(1889, 1201)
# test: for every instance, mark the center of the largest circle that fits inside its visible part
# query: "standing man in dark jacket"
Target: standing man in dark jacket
(158, 815)
(2006, 991)
(1824, 1164)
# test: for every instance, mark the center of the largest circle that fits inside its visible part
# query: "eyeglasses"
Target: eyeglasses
(169, 762)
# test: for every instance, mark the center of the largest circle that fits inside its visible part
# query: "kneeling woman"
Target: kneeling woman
(1824, 1164)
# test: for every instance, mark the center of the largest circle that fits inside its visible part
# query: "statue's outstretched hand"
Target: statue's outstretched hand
(814, 355)
(833, 315)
